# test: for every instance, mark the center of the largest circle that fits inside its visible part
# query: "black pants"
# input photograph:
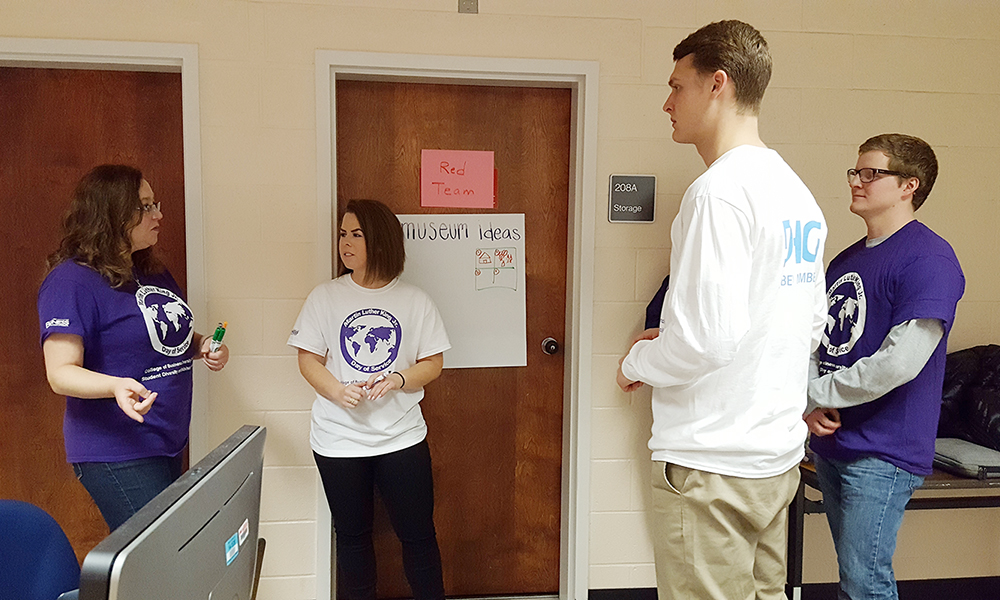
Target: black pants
(404, 482)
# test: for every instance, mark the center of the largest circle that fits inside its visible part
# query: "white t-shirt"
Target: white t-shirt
(362, 332)
(745, 308)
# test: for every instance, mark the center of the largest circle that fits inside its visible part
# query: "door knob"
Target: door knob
(550, 346)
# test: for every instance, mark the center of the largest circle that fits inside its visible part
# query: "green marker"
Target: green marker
(217, 336)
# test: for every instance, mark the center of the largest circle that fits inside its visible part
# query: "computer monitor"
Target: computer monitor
(196, 540)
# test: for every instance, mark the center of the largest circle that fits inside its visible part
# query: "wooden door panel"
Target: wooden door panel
(56, 124)
(495, 433)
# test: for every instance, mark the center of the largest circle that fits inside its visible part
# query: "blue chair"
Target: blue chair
(37, 561)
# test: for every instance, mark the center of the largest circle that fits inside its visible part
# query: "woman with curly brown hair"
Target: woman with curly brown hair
(118, 337)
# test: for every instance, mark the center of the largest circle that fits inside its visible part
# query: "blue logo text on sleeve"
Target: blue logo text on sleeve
(802, 242)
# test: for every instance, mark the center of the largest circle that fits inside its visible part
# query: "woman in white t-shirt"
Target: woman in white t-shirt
(368, 344)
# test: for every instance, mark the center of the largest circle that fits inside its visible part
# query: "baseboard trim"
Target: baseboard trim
(965, 588)
(623, 594)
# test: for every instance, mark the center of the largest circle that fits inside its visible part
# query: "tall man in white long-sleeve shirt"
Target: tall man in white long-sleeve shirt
(745, 308)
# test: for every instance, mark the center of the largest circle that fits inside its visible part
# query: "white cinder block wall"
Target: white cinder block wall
(844, 70)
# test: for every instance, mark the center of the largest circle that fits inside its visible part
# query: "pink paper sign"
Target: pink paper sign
(457, 179)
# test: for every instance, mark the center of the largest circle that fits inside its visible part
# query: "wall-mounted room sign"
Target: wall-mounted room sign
(457, 179)
(632, 199)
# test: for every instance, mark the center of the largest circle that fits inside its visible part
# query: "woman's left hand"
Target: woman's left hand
(214, 360)
(392, 381)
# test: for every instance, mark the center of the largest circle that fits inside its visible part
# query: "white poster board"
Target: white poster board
(472, 266)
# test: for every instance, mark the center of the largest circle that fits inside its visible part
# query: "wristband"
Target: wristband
(401, 378)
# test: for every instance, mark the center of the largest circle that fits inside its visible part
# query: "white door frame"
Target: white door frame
(581, 77)
(146, 56)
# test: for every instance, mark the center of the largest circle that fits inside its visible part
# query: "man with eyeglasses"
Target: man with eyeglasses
(877, 391)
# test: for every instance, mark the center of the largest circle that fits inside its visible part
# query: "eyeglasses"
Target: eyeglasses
(145, 209)
(867, 175)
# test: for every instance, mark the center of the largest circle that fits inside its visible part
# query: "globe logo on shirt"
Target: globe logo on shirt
(168, 320)
(845, 322)
(369, 340)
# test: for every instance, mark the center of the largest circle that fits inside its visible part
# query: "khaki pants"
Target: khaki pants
(718, 537)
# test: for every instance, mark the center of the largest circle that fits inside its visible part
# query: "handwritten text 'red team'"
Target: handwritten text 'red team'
(443, 189)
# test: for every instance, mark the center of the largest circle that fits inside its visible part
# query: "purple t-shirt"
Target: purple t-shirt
(142, 332)
(913, 274)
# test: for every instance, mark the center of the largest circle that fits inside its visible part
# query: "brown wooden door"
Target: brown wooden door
(495, 433)
(55, 125)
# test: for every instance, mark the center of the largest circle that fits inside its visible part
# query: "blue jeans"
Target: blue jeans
(120, 489)
(865, 500)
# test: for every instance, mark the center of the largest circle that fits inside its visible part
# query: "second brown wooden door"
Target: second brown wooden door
(495, 433)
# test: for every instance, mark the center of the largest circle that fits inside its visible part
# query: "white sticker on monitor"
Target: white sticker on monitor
(244, 531)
